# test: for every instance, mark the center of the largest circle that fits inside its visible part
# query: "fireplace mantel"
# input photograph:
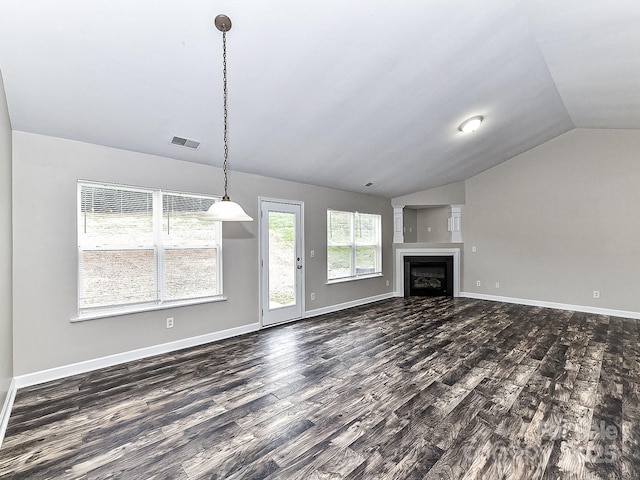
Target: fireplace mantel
(400, 253)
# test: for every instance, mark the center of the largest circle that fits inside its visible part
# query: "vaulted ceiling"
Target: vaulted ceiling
(334, 93)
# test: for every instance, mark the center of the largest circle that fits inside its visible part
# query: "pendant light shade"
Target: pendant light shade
(225, 210)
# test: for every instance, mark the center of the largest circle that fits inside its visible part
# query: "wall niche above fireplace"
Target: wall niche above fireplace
(428, 276)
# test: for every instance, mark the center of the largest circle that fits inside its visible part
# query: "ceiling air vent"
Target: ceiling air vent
(185, 142)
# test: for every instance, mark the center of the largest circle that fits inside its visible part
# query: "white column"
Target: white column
(454, 223)
(398, 224)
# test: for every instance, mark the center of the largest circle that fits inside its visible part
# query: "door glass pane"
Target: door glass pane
(282, 259)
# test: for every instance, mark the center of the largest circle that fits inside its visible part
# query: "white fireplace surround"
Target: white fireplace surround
(426, 252)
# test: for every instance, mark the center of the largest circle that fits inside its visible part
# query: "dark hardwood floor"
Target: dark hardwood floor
(416, 388)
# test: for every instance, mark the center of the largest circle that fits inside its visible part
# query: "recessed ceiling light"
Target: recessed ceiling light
(471, 124)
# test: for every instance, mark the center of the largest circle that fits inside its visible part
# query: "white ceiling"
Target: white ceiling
(334, 93)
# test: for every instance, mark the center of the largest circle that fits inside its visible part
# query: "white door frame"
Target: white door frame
(262, 252)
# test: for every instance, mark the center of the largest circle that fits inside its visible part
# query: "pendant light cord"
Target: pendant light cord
(224, 95)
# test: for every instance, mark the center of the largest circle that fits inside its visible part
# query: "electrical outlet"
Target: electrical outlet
(387, 283)
(596, 294)
(313, 295)
(477, 283)
(170, 322)
(428, 229)
(313, 253)
(497, 285)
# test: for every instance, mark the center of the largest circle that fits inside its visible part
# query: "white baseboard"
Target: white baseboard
(102, 362)
(343, 306)
(559, 306)
(108, 361)
(56, 373)
(6, 408)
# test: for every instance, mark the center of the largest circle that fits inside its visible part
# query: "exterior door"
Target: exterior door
(281, 262)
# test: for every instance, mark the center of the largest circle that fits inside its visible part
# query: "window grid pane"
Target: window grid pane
(183, 221)
(339, 262)
(188, 273)
(338, 228)
(366, 229)
(365, 260)
(113, 217)
(117, 277)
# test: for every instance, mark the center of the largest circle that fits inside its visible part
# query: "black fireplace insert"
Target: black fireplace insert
(430, 276)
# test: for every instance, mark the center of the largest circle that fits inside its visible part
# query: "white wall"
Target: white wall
(451, 194)
(410, 225)
(6, 295)
(552, 224)
(558, 222)
(436, 219)
(45, 173)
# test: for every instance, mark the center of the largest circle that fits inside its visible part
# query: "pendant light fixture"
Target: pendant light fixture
(226, 210)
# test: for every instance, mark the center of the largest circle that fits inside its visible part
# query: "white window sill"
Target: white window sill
(351, 279)
(116, 312)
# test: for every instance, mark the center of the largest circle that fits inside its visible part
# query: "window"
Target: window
(141, 247)
(353, 245)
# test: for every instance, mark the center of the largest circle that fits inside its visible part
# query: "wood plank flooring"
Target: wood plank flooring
(417, 388)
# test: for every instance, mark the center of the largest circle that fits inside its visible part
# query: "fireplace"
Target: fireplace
(422, 253)
(428, 276)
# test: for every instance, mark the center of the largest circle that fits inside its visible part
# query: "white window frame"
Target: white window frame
(159, 249)
(352, 245)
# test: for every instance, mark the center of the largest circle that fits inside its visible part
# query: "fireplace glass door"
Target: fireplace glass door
(430, 276)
